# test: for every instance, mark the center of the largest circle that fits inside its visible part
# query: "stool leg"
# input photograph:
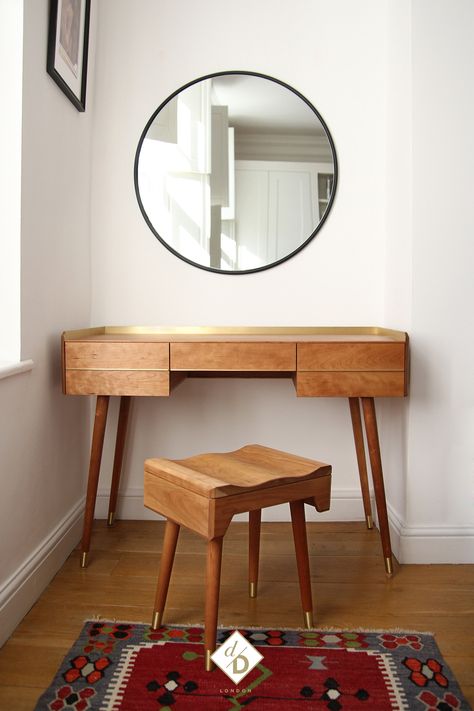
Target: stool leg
(166, 566)
(302, 559)
(213, 577)
(254, 549)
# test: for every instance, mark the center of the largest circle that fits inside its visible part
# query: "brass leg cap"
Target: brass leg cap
(389, 566)
(156, 622)
(111, 518)
(252, 589)
(208, 661)
(370, 523)
(308, 620)
(84, 559)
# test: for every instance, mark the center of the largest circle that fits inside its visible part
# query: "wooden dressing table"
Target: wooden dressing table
(355, 363)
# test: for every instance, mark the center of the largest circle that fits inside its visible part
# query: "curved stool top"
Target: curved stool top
(250, 468)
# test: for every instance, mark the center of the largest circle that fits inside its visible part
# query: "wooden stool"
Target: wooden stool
(204, 492)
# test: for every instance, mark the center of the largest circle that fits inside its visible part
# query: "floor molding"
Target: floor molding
(346, 505)
(21, 590)
(410, 544)
(430, 544)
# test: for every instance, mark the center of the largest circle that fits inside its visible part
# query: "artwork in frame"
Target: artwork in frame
(68, 43)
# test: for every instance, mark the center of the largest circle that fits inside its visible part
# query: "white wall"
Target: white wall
(373, 69)
(43, 435)
(440, 482)
(337, 279)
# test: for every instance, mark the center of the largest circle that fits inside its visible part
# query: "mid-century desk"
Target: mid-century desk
(355, 363)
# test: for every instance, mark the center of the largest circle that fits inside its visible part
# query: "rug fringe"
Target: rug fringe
(322, 628)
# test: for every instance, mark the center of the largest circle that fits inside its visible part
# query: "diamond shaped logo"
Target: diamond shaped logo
(236, 657)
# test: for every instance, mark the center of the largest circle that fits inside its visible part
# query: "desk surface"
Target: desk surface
(322, 361)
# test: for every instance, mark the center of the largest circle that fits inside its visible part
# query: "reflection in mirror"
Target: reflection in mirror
(235, 172)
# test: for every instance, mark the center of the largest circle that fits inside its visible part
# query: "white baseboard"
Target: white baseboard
(430, 544)
(410, 544)
(346, 505)
(21, 590)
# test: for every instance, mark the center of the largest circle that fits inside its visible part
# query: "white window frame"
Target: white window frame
(11, 83)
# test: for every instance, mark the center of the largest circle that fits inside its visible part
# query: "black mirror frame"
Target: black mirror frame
(278, 261)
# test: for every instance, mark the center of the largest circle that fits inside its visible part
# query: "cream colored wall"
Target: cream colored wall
(43, 435)
(428, 277)
(338, 279)
(440, 437)
(373, 71)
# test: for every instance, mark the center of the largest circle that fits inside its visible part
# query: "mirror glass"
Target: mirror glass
(235, 172)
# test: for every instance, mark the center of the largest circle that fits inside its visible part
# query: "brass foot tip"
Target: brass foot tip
(156, 622)
(308, 620)
(252, 589)
(209, 663)
(111, 518)
(370, 523)
(388, 566)
(84, 559)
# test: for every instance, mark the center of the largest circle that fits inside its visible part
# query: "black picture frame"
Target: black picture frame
(68, 48)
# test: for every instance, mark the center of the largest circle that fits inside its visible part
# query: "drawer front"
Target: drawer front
(117, 382)
(233, 356)
(351, 356)
(351, 384)
(125, 356)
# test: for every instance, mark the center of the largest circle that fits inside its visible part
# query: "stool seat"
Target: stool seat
(250, 468)
(205, 491)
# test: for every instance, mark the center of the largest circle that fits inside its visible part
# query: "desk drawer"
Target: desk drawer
(350, 384)
(123, 356)
(351, 356)
(118, 382)
(233, 356)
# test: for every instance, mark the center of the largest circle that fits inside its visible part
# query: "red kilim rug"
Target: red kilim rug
(117, 666)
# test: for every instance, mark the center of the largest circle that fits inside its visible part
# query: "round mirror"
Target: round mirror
(235, 172)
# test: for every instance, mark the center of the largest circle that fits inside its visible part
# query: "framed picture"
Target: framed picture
(68, 43)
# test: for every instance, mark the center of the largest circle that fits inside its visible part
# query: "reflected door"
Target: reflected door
(275, 206)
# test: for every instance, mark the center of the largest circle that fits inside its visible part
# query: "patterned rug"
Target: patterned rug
(129, 667)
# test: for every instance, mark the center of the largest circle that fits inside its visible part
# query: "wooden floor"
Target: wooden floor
(350, 590)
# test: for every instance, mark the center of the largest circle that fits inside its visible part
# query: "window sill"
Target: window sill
(10, 368)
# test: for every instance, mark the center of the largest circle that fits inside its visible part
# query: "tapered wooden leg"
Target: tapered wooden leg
(101, 409)
(302, 559)
(213, 578)
(370, 419)
(124, 411)
(166, 565)
(361, 460)
(255, 518)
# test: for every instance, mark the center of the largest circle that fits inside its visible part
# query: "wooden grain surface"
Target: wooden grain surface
(249, 468)
(351, 383)
(118, 382)
(117, 355)
(206, 504)
(350, 590)
(233, 356)
(340, 364)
